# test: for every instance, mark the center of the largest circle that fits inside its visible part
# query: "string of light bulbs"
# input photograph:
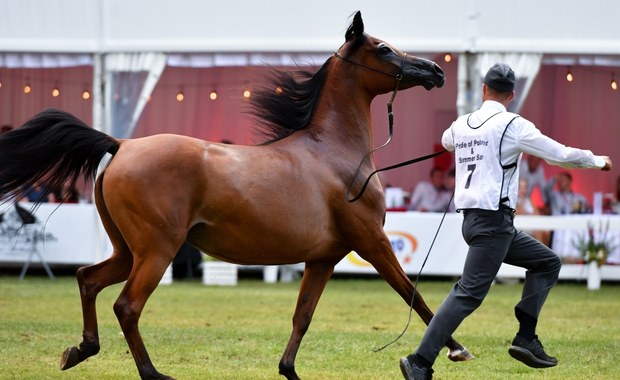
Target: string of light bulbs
(30, 85)
(246, 93)
(213, 94)
(570, 76)
(55, 92)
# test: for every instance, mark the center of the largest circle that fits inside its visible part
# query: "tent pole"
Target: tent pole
(98, 94)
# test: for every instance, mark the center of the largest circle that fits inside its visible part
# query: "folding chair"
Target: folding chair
(33, 233)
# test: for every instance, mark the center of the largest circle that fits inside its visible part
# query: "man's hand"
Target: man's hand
(608, 164)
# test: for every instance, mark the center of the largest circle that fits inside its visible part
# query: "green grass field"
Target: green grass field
(197, 332)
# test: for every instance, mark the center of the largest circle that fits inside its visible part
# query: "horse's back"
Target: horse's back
(146, 164)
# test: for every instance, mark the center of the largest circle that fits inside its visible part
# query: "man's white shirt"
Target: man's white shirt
(488, 144)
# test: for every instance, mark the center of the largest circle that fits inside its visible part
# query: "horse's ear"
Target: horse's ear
(356, 29)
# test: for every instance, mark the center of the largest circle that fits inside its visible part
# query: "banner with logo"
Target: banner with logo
(411, 235)
(72, 235)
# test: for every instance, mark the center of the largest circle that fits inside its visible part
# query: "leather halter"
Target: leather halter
(398, 76)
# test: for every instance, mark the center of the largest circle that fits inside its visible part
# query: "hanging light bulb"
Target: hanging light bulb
(613, 84)
(569, 75)
(55, 91)
(279, 90)
(447, 58)
(85, 94)
(27, 88)
(180, 95)
(213, 94)
(246, 91)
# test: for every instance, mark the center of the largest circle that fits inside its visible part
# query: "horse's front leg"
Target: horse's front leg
(91, 280)
(313, 283)
(382, 258)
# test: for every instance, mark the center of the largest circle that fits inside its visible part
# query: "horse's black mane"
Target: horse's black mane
(286, 102)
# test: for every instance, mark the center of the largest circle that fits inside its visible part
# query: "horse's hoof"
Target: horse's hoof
(163, 377)
(288, 372)
(70, 358)
(461, 355)
(156, 376)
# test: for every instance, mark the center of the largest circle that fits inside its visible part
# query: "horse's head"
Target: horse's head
(374, 55)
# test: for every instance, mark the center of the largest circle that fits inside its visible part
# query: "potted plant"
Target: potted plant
(594, 246)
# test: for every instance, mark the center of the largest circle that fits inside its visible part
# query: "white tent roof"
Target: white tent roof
(550, 26)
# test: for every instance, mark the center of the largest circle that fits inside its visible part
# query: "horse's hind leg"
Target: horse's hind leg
(91, 280)
(313, 283)
(144, 278)
(384, 261)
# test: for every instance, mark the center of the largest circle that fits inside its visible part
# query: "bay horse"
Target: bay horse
(281, 202)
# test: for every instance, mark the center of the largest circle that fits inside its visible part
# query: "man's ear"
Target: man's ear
(512, 96)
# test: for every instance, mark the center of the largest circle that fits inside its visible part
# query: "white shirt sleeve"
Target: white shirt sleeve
(447, 139)
(532, 141)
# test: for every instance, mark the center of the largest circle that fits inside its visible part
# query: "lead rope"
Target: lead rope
(405, 163)
(359, 167)
(398, 78)
(409, 162)
(415, 285)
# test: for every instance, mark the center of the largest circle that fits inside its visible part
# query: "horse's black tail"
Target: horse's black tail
(53, 146)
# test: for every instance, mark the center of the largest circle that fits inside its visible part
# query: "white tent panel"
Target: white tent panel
(276, 25)
(50, 26)
(557, 26)
(550, 26)
(44, 60)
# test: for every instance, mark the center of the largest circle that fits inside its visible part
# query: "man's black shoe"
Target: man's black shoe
(531, 353)
(413, 372)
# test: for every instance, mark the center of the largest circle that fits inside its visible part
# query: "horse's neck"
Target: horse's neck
(344, 116)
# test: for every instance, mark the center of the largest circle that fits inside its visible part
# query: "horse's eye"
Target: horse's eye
(384, 50)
